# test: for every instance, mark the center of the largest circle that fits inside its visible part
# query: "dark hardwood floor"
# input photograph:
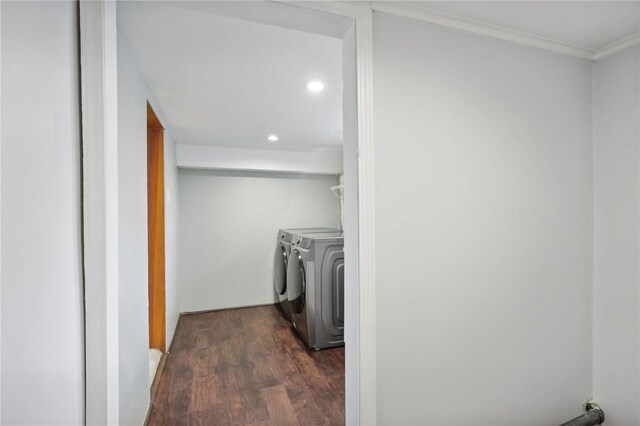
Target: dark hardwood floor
(247, 367)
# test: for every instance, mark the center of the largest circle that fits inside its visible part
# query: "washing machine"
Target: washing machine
(315, 288)
(283, 247)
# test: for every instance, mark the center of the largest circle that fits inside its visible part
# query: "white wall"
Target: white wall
(227, 231)
(133, 95)
(171, 236)
(483, 183)
(133, 248)
(616, 296)
(42, 331)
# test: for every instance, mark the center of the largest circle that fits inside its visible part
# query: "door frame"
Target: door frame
(99, 121)
(98, 59)
(156, 240)
(0, 214)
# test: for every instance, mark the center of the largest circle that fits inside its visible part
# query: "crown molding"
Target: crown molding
(405, 10)
(424, 14)
(347, 8)
(617, 46)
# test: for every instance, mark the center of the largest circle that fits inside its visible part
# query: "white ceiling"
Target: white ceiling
(227, 82)
(590, 24)
(224, 81)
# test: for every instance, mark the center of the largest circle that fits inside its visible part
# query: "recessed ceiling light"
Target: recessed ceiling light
(315, 86)
(273, 138)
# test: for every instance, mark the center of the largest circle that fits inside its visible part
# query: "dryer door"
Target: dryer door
(296, 282)
(280, 269)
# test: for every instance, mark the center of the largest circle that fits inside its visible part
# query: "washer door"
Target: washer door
(296, 282)
(280, 269)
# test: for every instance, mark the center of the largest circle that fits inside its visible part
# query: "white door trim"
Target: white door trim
(366, 222)
(99, 89)
(0, 213)
(98, 35)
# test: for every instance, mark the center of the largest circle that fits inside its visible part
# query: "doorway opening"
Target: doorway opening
(263, 163)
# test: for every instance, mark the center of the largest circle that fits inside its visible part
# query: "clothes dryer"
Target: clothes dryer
(283, 248)
(315, 288)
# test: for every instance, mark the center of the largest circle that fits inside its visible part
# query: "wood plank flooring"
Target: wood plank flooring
(247, 367)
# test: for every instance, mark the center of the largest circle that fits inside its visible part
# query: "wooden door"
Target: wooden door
(155, 211)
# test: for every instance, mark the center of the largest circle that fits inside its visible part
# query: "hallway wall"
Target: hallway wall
(483, 209)
(171, 235)
(42, 309)
(133, 250)
(132, 240)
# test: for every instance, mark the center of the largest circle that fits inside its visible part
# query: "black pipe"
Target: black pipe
(593, 416)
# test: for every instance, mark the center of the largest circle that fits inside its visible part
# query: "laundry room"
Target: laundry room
(243, 108)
